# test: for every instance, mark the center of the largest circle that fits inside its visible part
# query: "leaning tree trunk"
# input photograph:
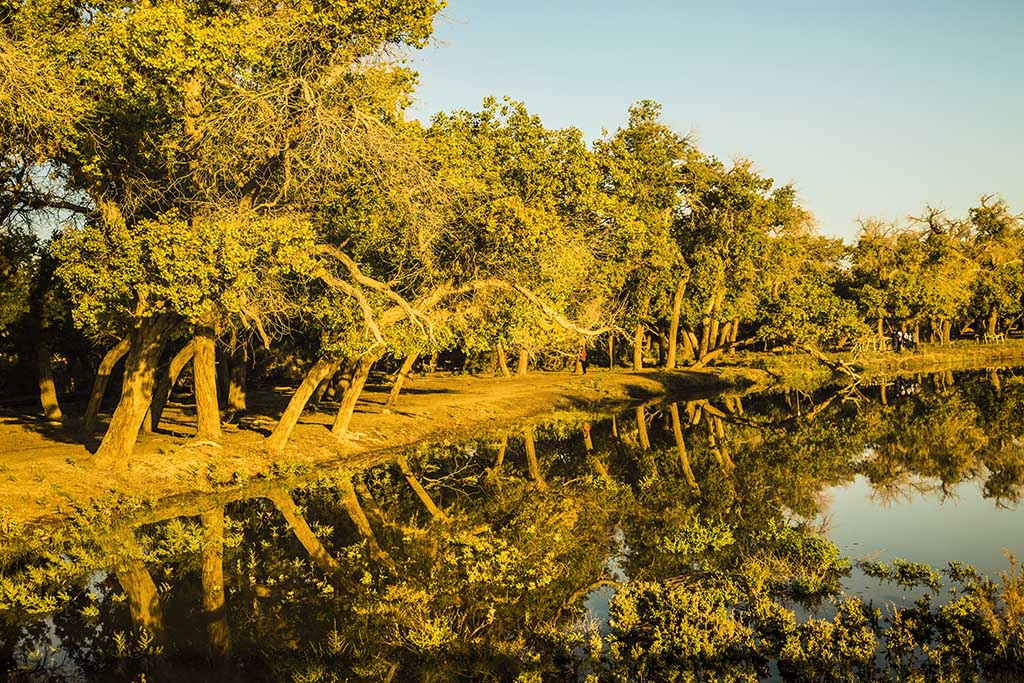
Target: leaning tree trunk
(99, 386)
(165, 385)
(403, 374)
(673, 329)
(641, 428)
(214, 607)
(147, 344)
(350, 501)
(204, 369)
(594, 460)
(421, 493)
(137, 583)
(47, 389)
(503, 362)
(347, 407)
(320, 371)
(684, 457)
(284, 503)
(532, 464)
(688, 347)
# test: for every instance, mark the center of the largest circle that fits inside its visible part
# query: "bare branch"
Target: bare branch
(364, 305)
(414, 316)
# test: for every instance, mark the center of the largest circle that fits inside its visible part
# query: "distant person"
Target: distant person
(583, 358)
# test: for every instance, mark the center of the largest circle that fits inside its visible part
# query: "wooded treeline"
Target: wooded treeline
(187, 182)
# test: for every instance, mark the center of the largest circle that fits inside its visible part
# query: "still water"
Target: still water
(780, 536)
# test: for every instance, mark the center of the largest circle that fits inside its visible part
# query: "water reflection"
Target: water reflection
(690, 531)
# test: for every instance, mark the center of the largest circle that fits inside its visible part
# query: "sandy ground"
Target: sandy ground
(45, 471)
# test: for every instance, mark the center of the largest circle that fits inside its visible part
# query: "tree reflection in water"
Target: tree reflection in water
(472, 561)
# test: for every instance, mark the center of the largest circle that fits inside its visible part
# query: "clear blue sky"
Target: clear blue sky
(870, 108)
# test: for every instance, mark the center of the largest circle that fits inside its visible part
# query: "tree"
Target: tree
(642, 171)
(202, 138)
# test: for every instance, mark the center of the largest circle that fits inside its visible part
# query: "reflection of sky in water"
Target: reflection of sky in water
(923, 527)
(599, 600)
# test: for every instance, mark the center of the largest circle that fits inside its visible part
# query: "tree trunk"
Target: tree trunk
(499, 459)
(360, 373)
(320, 371)
(523, 364)
(421, 493)
(222, 365)
(137, 583)
(641, 428)
(214, 607)
(503, 362)
(687, 347)
(532, 465)
(283, 501)
(947, 327)
(372, 508)
(99, 386)
(880, 327)
(993, 320)
(638, 347)
(204, 370)
(595, 461)
(712, 330)
(917, 333)
(662, 349)
(147, 344)
(320, 393)
(165, 385)
(403, 374)
(673, 329)
(684, 457)
(725, 463)
(611, 351)
(735, 333)
(724, 335)
(705, 329)
(358, 517)
(237, 380)
(724, 449)
(47, 389)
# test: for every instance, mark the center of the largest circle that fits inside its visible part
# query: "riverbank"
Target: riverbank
(800, 370)
(45, 473)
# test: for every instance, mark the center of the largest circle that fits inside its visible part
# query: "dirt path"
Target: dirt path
(45, 472)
